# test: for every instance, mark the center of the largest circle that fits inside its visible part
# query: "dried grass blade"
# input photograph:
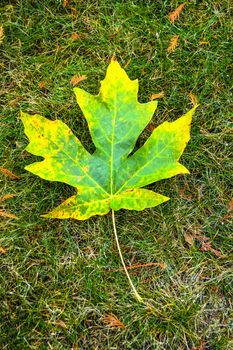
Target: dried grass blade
(9, 173)
(5, 214)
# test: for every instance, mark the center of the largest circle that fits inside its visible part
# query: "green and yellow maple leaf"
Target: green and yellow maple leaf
(109, 178)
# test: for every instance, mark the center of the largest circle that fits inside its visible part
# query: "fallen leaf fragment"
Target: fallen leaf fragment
(3, 250)
(112, 321)
(42, 87)
(150, 127)
(66, 3)
(74, 11)
(207, 247)
(230, 205)
(174, 15)
(158, 95)
(189, 238)
(75, 36)
(7, 196)
(7, 215)
(173, 43)
(161, 265)
(1, 34)
(9, 173)
(193, 98)
(61, 324)
(76, 79)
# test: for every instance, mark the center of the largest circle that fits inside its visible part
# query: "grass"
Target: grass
(55, 288)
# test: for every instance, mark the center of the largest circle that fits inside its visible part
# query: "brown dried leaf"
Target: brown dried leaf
(1, 34)
(76, 79)
(158, 95)
(3, 250)
(206, 246)
(41, 85)
(61, 324)
(173, 43)
(189, 238)
(66, 3)
(5, 214)
(174, 15)
(75, 36)
(9, 173)
(230, 205)
(193, 98)
(74, 11)
(7, 196)
(150, 127)
(112, 321)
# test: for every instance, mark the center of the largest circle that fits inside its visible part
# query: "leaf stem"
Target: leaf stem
(138, 297)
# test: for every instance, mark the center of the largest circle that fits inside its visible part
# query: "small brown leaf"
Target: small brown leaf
(158, 95)
(9, 173)
(74, 11)
(7, 215)
(66, 3)
(193, 98)
(3, 250)
(173, 16)
(1, 34)
(112, 321)
(61, 324)
(76, 79)
(75, 36)
(150, 127)
(41, 86)
(206, 246)
(230, 206)
(189, 238)
(173, 43)
(7, 196)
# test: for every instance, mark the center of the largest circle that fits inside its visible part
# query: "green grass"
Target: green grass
(55, 270)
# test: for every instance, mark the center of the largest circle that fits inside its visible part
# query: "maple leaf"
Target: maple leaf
(109, 178)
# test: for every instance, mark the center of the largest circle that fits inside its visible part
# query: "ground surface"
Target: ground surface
(55, 281)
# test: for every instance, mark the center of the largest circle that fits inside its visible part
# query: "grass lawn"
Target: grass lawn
(57, 279)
